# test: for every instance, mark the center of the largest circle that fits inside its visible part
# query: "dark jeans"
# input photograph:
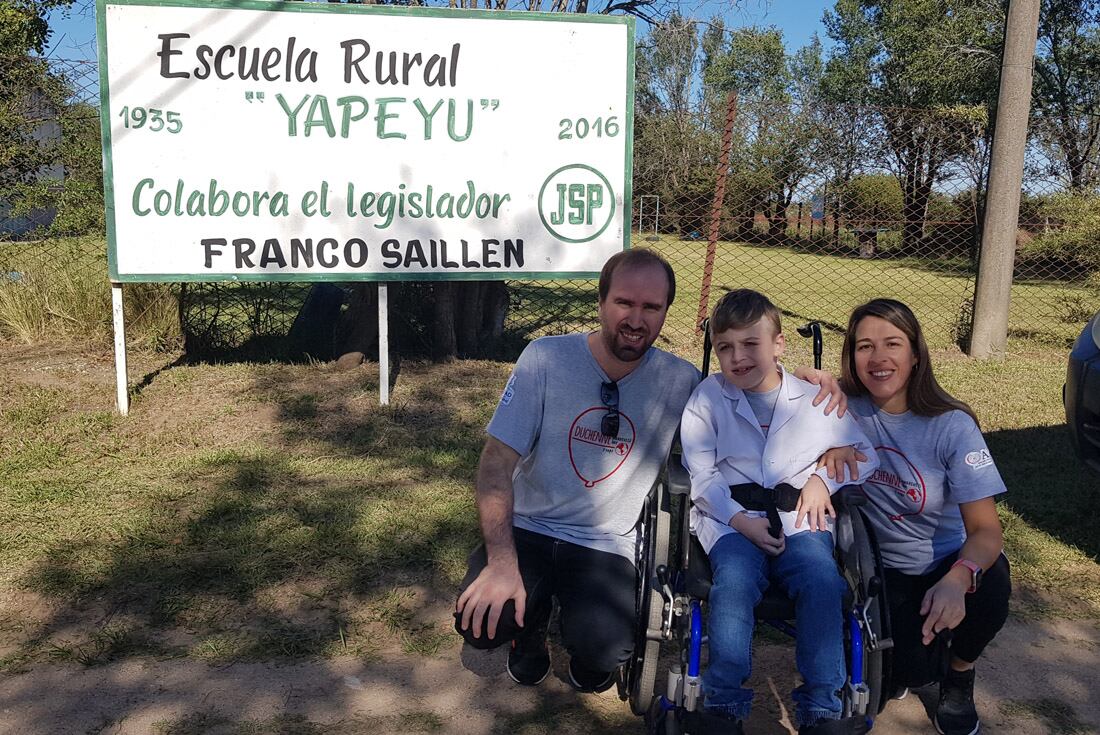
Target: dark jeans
(916, 664)
(596, 596)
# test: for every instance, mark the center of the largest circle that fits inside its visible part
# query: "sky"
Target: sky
(74, 30)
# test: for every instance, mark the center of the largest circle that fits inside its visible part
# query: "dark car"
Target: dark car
(1082, 394)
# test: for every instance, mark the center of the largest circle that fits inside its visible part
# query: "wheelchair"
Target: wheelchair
(674, 585)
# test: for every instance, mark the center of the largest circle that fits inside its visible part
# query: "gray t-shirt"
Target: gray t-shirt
(763, 406)
(572, 482)
(927, 467)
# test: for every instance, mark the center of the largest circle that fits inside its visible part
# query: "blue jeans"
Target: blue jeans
(807, 572)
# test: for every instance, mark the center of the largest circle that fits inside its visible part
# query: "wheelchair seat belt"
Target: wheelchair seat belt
(783, 497)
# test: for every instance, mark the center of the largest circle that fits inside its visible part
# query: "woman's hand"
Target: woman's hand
(830, 388)
(814, 505)
(944, 605)
(836, 459)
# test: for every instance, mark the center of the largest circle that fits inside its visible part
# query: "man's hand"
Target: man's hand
(493, 587)
(755, 529)
(944, 605)
(814, 505)
(830, 388)
(836, 459)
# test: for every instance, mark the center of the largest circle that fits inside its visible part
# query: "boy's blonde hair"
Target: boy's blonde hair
(742, 308)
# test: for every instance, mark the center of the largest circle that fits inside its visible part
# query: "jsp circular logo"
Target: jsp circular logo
(576, 203)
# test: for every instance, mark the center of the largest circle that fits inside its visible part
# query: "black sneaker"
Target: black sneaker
(955, 714)
(529, 663)
(706, 722)
(590, 681)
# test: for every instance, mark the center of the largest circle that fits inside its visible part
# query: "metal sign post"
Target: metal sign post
(121, 378)
(383, 344)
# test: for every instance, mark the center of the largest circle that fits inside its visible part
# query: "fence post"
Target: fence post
(993, 290)
(716, 209)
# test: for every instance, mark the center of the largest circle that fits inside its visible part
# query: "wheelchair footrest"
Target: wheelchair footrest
(859, 697)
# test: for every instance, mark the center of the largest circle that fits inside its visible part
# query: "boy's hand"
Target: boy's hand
(814, 505)
(755, 529)
(836, 459)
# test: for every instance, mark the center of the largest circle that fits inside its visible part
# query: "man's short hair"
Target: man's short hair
(636, 258)
(742, 308)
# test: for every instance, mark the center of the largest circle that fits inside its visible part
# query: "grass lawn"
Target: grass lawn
(809, 286)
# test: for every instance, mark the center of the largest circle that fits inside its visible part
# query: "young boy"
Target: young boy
(755, 423)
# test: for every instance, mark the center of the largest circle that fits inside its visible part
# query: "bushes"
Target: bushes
(1069, 246)
(58, 288)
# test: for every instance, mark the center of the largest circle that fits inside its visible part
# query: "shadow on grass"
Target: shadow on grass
(1047, 485)
(274, 551)
(344, 525)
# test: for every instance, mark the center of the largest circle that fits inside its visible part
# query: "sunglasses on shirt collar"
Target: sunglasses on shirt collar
(609, 395)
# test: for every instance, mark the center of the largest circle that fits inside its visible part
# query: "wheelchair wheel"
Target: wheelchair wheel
(659, 721)
(651, 603)
(863, 563)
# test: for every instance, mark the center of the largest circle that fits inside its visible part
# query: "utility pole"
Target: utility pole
(1006, 174)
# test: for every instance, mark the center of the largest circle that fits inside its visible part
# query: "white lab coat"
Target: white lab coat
(724, 445)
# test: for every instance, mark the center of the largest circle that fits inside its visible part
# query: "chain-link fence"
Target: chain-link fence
(821, 206)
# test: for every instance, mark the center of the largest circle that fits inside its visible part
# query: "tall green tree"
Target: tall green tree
(1066, 91)
(930, 69)
(775, 127)
(30, 95)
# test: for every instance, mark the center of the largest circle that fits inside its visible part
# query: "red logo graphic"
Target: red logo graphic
(902, 480)
(596, 457)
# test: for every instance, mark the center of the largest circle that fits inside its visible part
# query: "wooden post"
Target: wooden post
(716, 210)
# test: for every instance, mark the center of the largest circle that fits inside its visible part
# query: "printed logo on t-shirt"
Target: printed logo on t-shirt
(509, 391)
(596, 457)
(900, 478)
(979, 458)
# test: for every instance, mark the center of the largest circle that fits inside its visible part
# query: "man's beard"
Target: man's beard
(627, 351)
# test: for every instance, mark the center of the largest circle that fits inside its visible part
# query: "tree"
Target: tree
(30, 95)
(775, 128)
(675, 150)
(1066, 92)
(929, 67)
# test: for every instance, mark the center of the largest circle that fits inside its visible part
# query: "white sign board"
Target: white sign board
(303, 141)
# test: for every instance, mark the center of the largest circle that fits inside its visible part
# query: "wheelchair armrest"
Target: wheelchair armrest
(850, 496)
(679, 481)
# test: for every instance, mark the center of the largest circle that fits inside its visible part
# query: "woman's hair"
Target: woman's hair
(923, 394)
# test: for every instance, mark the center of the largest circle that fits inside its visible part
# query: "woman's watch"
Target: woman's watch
(975, 573)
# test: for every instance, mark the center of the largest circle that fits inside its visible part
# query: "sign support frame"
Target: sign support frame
(122, 387)
(383, 344)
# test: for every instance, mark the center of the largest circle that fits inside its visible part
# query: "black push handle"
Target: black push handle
(705, 326)
(813, 329)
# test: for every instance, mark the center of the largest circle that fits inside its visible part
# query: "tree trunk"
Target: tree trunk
(359, 326)
(777, 224)
(914, 210)
(444, 345)
(495, 311)
(468, 317)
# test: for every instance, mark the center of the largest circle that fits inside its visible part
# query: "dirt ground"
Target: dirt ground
(1037, 677)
